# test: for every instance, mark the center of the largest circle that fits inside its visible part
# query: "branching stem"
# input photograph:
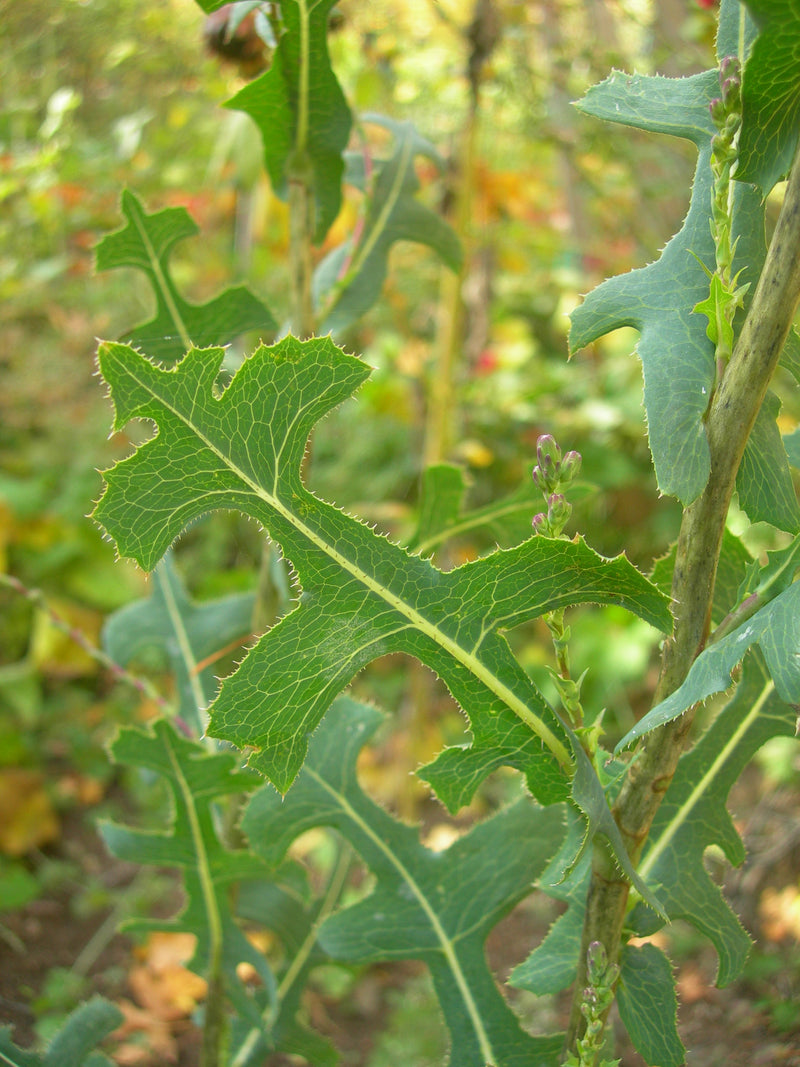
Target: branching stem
(730, 419)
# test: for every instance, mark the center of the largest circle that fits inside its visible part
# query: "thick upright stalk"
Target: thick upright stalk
(730, 419)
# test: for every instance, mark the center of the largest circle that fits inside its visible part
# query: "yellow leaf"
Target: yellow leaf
(29, 820)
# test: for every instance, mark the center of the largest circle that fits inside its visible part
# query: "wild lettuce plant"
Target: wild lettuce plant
(620, 839)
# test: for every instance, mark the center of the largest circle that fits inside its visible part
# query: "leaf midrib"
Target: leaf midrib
(419, 621)
(444, 940)
(705, 783)
(161, 279)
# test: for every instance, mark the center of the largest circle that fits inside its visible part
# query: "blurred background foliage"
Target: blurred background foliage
(96, 95)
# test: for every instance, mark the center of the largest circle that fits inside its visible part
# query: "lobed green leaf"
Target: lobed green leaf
(677, 356)
(349, 280)
(196, 779)
(145, 243)
(362, 596)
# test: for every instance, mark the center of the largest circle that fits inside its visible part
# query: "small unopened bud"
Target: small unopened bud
(717, 111)
(730, 68)
(731, 92)
(596, 962)
(549, 455)
(570, 467)
(539, 523)
(559, 510)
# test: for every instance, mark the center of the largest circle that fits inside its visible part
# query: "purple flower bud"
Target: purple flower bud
(570, 466)
(730, 67)
(539, 523)
(548, 453)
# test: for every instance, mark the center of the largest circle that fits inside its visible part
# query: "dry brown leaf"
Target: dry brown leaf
(160, 981)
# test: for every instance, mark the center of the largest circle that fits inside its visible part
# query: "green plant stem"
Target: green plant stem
(730, 419)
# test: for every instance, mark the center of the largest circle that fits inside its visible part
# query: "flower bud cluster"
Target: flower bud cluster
(726, 111)
(552, 474)
(726, 297)
(597, 999)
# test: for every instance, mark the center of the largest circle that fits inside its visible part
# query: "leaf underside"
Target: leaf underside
(434, 906)
(196, 779)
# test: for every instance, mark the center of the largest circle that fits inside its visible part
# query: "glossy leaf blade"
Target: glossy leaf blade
(145, 243)
(299, 107)
(434, 906)
(362, 596)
